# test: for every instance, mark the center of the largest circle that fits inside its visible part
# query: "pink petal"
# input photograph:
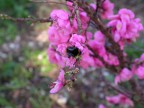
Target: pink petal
(57, 87)
(101, 106)
(61, 76)
(140, 72)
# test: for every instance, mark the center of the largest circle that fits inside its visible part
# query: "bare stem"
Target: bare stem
(78, 16)
(53, 2)
(34, 20)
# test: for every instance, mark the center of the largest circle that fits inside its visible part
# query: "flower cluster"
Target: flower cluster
(127, 74)
(98, 45)
(69, 48)
(125, 27)
(66, 45)
(124, 75)
(106, 9)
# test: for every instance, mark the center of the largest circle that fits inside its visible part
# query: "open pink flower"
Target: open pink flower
(101, 106)
(111, 59)
(55, 57)
(61, 48)
(125, 27)
(58, 35)
(107, 7)
(57, 85)
(56, 14)
(98, 43)
(93, 5)
(86, 59)
(61, 28)
(119, 99)
(77, 41)
(124, 75)
(140, 72)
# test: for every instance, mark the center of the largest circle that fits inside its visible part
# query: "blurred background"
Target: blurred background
(26, 73)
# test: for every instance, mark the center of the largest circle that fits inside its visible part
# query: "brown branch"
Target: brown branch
(34, 20)
(98, 6)
(138, 95)
(76, 8)
(53, 2)
(119, 90)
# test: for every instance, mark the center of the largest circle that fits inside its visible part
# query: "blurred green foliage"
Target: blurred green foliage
(40, 59)
(17, 8)
(16, 76)
(14, 8)
(136, 49)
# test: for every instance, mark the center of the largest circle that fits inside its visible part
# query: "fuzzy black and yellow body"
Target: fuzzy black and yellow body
(73, 51)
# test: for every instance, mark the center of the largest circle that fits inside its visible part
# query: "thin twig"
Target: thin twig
(98, 2)
(78, 16)
(48, 2)
(116, 88)
(34, 20)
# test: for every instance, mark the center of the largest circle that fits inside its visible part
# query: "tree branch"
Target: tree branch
(76, 8)
(34, 20)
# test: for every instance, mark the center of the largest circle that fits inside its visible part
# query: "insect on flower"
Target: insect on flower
(73, 51)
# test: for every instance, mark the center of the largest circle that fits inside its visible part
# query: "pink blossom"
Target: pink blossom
(98, 43)
(59, 14)
(140, 72)
(57, 35)
(61, 48)
(101, 106)
(83, 17)
(77, 41)
(111, 59)
(70, 62)
(86, 60)
(119, 99)
(69, 5)
(89, 36)
(124, 75)
(138, 67)
(124, 26)
(57, 85)
(61, 28)
(98, 63)
(142, 57)
(60, 58)
(84, 21)
(93, 6)
(54, 57)
(107, 7)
